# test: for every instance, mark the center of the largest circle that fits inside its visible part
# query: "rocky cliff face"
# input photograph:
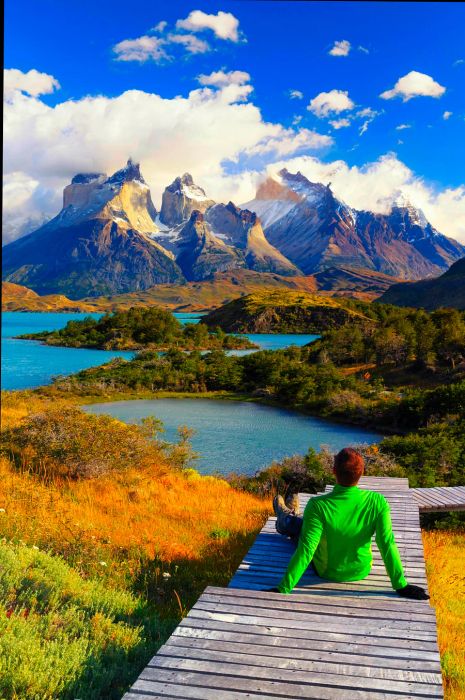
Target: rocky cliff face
(201, 253)
(315, 230)
(242, 229)
(100, 243)
(180, 199)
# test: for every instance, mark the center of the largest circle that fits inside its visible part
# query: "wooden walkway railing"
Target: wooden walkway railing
(339, 641)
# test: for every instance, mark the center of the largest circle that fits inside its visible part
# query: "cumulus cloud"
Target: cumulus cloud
(296, 95)
(447, 115)
(32, 83)
(224, 25)
(162, 48)
(414, 84)
(340, 48)
(340, 123)
(376, 185)
(219, 78)
(332, 102)
(142, 49)
(201, 133)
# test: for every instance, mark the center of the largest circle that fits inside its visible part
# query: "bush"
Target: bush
(66, 442)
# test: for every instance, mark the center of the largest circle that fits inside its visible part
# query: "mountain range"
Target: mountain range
(109, 237)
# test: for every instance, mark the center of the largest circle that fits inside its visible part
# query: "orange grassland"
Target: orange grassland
(164, 532)
(445, 566)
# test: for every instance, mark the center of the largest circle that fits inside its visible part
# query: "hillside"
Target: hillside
(446, 290)
(15, 297)
(206, 294)
(282, 311)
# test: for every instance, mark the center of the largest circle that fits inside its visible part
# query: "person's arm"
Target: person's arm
(310, 535)
(388, 548)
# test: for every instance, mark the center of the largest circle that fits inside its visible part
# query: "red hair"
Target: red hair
(348, 466)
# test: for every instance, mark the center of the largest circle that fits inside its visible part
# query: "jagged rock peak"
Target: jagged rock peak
(245, 215)
(86, 178)
(130, 172)
(185, 185)
(196, 217)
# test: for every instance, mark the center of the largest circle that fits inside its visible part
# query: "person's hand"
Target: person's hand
(272, 590)
(413, 592)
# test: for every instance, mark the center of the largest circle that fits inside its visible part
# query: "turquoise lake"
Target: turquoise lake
(27, 364)
(229, 435)
(238, 436)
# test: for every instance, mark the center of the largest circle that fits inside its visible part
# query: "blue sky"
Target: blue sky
(283, 46)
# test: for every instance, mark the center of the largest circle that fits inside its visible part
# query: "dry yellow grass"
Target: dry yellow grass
(445, 566)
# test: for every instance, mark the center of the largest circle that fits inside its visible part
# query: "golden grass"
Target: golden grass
(445, 567)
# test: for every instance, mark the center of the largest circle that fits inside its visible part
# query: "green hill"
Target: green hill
(283, 311)
(448, 290)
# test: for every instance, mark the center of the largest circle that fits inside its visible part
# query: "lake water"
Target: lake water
(27, 364)
(238, 435)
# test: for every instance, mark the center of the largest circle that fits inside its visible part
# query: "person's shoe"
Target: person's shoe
(282, 512)
(292, 502)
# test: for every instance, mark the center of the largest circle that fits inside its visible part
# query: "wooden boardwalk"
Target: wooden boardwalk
(339, 641)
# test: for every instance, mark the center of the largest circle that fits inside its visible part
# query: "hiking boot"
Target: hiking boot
(282, 512)
(292, 502)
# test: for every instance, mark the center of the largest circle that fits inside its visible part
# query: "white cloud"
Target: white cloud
(340, 123)
(296, 95)
(160, 48)
(223, 24)
(143, 49)
(363, 49)
(191, 42)
(401, 127)
(414, 84)
(32, 83)
(289, 141)
(459, 62)
(160, 27)
(340, 48)
(376, 185)
(219, 78)
(332, 102)
(447, 115)
(205, 133)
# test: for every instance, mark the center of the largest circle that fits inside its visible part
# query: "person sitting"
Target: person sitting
(336, 530)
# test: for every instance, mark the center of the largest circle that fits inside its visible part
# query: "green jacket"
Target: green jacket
(336, 534)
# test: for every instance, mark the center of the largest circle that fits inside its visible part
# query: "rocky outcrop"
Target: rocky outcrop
(201, 253)
(180, 199)
(100, 243)
(242, 229)
(282, 311)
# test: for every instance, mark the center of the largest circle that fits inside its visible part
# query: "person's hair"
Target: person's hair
(348, 466)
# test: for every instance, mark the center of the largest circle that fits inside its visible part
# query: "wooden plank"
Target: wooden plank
(314, 650)
(254, 658)
(339, 641)
(302, 682)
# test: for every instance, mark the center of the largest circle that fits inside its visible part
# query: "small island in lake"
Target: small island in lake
(283, 311)
(140, 328)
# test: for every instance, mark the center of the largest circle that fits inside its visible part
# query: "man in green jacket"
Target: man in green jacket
(336, 531)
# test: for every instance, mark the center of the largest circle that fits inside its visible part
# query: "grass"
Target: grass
(143, 540)
(445, 564)
(64, 636)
